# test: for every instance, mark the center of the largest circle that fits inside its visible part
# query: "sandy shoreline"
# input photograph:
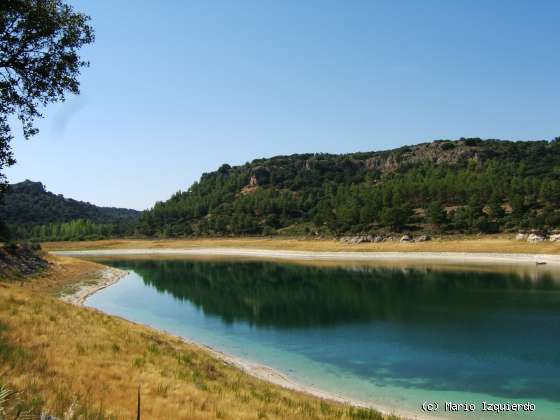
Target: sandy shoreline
(106, 277)
(438, 257)
(273, 376)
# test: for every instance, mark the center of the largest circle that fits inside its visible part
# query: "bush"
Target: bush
(11, 247)
(472, 141)
(4, 232)
(268, 231)
(485, 225)
(32, 246)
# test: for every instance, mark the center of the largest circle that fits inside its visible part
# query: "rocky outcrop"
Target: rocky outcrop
(535, 238)
(439, 152)
(358, 239)
(521, 236)
(554, 238)
(352, 239)
(260, 175)
(19, 260)
(406, 238)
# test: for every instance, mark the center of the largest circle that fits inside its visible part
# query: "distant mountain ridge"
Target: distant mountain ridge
(457, 186)
(465, 185)
(28, 203)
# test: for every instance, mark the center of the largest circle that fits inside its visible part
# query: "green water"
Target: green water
(387, 336)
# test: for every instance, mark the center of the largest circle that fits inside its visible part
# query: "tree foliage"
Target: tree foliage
(31, 212)
(76, 230)
(39, 62)
(469, 185)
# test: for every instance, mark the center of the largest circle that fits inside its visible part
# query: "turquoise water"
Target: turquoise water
(387, 336)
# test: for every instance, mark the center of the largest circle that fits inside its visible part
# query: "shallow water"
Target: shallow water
(396, 337)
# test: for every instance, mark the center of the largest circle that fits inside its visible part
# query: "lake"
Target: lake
(386, 335)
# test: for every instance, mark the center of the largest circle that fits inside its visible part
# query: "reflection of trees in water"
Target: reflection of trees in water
(290, 295)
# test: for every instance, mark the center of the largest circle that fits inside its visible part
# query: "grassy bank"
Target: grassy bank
(472, 243)
(75, 362)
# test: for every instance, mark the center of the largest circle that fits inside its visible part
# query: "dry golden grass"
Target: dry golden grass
(484, 244)
(63, 358)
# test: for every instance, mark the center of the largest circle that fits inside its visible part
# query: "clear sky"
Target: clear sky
(176, 88)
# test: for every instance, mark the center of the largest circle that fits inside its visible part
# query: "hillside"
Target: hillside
(466, 185)
(28, 208)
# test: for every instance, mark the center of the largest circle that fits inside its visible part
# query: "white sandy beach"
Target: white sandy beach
(437, 257)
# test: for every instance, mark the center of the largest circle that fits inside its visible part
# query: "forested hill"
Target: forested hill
(29, 209)
(466, 185)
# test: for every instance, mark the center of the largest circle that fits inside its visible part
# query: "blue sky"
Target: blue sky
(176, 88)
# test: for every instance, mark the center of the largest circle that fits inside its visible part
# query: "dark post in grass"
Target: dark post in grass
(138, 408)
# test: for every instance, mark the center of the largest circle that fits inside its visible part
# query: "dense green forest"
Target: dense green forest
(467, 185)
(32, 212)
(76, 230)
